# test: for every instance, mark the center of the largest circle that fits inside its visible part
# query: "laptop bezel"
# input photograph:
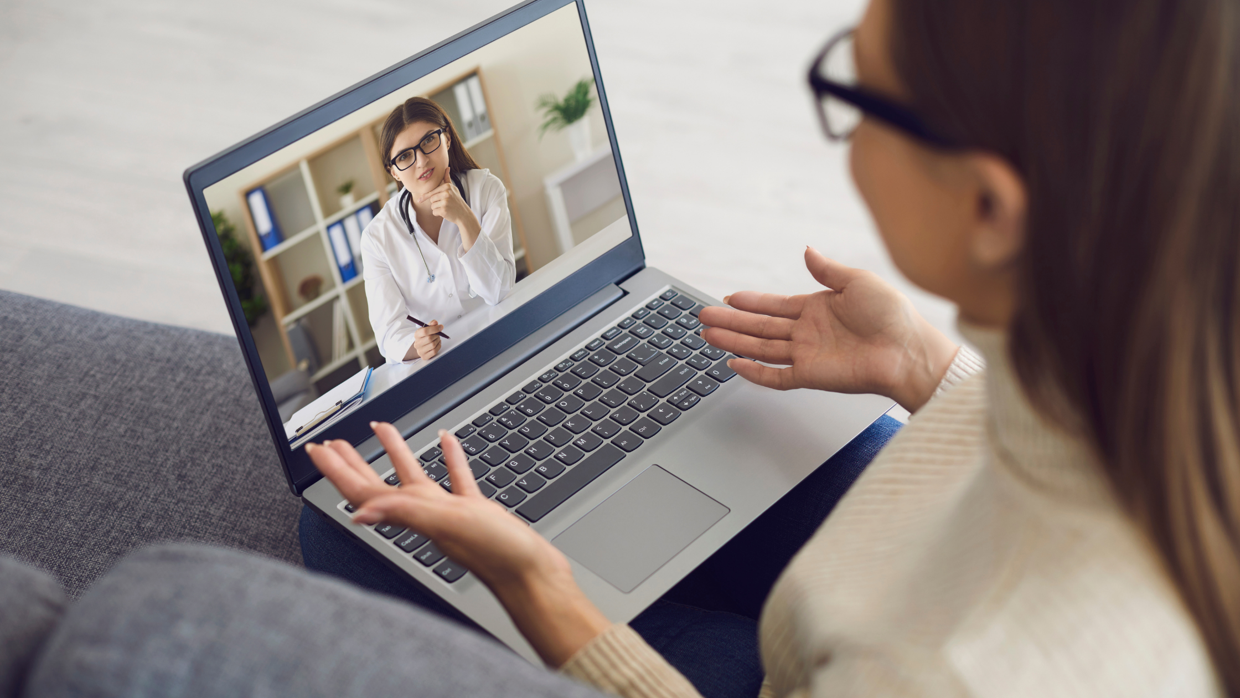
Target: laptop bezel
(614, 266)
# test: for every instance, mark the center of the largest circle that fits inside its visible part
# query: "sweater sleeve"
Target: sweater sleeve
(620, 662)
(966, 363)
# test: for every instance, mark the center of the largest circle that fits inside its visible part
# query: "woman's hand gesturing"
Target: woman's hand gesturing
(858, 336)
(531, 578)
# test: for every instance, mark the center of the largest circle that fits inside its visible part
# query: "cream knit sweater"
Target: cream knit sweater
(981, 554)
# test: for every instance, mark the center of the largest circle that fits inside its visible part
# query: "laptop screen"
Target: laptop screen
(450, 202)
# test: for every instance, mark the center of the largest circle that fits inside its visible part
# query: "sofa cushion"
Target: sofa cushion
(116, 433)
(31, 603)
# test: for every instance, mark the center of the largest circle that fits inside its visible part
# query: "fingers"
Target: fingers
(777, 378)
(430, 330)
(827, 271)
(400, 455)
(352, 484)
(458, 466)
(775, 351)
(352, 458)
(773, 304)
(752, 324)
(447, 175)
(422, 514)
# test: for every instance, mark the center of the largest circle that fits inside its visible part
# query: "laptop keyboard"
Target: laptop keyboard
(536, 448)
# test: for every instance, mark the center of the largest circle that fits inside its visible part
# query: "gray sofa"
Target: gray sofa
(117, 434)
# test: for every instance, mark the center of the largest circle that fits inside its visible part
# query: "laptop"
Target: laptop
(585, 397)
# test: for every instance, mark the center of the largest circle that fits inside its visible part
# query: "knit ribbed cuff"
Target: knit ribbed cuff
(966, 363)
(619, 661)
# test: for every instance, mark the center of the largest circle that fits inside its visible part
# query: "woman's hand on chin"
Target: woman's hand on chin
(860, 335)
(530, 577)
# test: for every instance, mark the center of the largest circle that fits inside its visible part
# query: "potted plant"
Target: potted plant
(569, 113)
(345, 190)
(240, 267)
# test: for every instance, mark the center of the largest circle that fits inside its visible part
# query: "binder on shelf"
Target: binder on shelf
(469, 122)
(479, 104)
(353, 231)
(340, 246)
(340, 339)
(364, 216)
(264, 218)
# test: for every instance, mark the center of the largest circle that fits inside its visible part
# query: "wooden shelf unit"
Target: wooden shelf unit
(303, 197)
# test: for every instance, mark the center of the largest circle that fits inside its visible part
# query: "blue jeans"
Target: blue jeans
(707, 625)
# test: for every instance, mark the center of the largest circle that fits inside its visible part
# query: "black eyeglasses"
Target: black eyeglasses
(842, 104)
(429, 144)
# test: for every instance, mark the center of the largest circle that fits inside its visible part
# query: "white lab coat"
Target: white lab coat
(396, 283)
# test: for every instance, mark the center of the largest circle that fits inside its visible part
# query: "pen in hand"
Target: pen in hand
(419, 323)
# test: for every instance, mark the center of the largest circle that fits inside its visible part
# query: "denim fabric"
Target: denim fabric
(706, 626)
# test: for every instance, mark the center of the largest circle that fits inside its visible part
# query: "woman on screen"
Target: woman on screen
(443, 245)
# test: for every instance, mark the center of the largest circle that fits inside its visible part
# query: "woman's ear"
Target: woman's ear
(1001, 209)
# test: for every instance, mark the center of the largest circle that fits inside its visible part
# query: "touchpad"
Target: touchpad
(639, 528)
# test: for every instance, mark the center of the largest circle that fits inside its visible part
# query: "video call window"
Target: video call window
(501, 165)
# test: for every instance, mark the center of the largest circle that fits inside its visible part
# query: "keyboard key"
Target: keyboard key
(720, 371)
(670, 312)
(669, 383)
(683, 302)
(643, 354)
(450, 571)
(611, 334)
(514, 443)
(627, 440)
(693, 341)
(654, 304)
(549, 394)
(569, 455)
(551, 417)
(680, 352)
(622, 345)
(549, 469)
(645, 428)
(350, 508)
(585, 370)
(632, 385)
(519, 463)
(533, 430)
(510, 497)
(498, 409)
(675, 332)
(474, 445)
(641, 331)
(661, 341)
(479, 468)
(392, 480)
(493, 432)
(658, 322)
(589, 391)
(548, 376)
(595, 411)
(713, 353)
(579, 354)
(502, 477)
(446, 483)
(486, 489)
(606, 379)
(595, 344)
(643, 402)
(602, 357)
(389, 530)
(625, 414)
(703, 386)
(577, 424)
(564, 365)
(688, 322)
(626, 323)
(567, 382)
(428, 555)
(481, 419)
(699, 362)
(657, 367)
(572, 482)
(465, 431)
(531, 482)
(515, 398)
(539, 450)
(697, 309)
(588, 442)
(624, 367)
(663, 414)
(559, 437)
(614, 399)
(668, 294)
(531, 387)
(435, 471)
(511, 419)
(569, 404)
(430, 455)
(640, 313)
(530, 406)
(410, 541)
(688, 401)
(607, 428)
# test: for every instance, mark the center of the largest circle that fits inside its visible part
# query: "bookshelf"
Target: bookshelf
(303, 199)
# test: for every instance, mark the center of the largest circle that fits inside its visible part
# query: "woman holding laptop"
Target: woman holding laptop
(443, 245)
(1061, 516)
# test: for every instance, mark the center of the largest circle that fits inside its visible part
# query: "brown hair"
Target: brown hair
(417, 109)
(1121, 117)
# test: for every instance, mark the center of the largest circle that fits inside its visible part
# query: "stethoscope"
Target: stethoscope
(405, 203)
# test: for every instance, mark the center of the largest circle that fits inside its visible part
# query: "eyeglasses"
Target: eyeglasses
(429, 144)
(842, 103)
